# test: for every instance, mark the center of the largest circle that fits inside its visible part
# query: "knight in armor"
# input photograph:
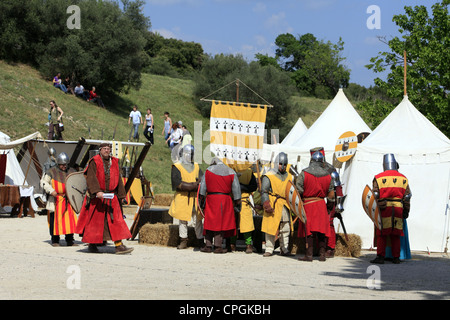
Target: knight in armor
(277, 216)
(391, 189)
(244, 221)
(101, 218)
(62, 219)
(186, 175)
(337, 209)
(51, 160)
(315, 185)
(220, 199)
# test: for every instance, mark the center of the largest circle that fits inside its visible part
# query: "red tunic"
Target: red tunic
(219, 210)
(91, 220)
(317, 219)
(392, 187)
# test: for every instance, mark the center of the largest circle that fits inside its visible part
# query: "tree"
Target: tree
(218, 73)
(426, 41)
(315, 66)
(106, 52)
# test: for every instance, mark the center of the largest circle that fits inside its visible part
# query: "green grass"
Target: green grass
(24, 101)
(24, 106)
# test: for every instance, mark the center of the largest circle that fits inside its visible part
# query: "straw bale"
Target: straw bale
(164, 234)
(163, 199)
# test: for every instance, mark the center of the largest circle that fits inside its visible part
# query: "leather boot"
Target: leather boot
(378, 259)
(309, 250)
(183, 243)
(322, 250)
(123, 249)
(249, 249)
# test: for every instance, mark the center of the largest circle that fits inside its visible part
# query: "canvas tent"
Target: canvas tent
(14, 173)
(423, 153)
(338, 117)
(296, 132)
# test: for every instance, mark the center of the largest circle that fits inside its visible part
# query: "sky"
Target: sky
(248, 27)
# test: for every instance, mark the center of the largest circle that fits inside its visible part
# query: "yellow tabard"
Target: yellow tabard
(184, 201)
(246, 214)
(271, 222)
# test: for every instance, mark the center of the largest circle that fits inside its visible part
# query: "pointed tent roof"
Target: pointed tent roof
(413, 132)
(297, 131)
(338, 117)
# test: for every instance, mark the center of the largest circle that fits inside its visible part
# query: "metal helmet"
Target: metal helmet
(389, 162)
(314, 150)
(336, 178)
(51, 152)
(187, 153)
(62, 158)
(282, 159)
(317, 157)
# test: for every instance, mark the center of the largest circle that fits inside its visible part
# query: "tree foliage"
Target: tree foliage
(182, 57)
(107, 51)
(315, 66)
(426, 39)
(259, 84)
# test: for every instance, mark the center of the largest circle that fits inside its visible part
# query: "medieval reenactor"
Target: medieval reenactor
(101, 219)
(220, 199)
(391, 189)
(62, 219)
(336, 211)
(314, 185)
(186, 175)
(244, 221)
(276, 217)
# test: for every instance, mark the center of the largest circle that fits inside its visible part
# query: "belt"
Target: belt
(312, 200)
(212, 193)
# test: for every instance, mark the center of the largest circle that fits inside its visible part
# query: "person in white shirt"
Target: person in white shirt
(136, 116)
(81, 93)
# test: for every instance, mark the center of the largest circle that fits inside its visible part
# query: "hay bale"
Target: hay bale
(163, 199)
(353, 250)
(164, 234)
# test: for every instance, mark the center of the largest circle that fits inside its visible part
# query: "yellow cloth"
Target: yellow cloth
(246, 214)
(184, 201)
(271, 221)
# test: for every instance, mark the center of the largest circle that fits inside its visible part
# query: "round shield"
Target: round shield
(346, 146)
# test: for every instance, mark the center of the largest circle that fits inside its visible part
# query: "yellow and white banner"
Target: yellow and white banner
(237, 132)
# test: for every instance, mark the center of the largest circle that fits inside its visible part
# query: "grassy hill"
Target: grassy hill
(24, 106)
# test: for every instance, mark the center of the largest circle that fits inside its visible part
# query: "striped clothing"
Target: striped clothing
(65, 219)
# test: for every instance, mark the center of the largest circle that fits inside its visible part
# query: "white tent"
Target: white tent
(338, 117)
(14, 173)
(296, 132)
(423, 153)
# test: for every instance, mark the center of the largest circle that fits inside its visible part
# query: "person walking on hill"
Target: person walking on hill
(148, 126)
(136, 117)
(167, 129)
(55, 126)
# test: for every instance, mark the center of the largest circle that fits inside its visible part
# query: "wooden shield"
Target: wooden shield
(345, 147)
(76, 188)
(136, 190)
(370, 207)
(295, 202)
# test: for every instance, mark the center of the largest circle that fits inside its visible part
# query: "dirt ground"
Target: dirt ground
(39, 271)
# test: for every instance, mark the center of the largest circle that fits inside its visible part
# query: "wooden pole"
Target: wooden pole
(404, 73)
(237, 90)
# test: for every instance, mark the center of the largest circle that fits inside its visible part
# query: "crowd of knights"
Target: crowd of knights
(221, 204)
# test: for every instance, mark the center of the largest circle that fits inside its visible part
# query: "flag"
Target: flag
(237, 132)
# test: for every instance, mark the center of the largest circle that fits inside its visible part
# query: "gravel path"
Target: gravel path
(33, 269)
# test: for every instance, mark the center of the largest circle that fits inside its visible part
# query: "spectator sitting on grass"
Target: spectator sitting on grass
(94, 97)
(80, 92)
(57, 83)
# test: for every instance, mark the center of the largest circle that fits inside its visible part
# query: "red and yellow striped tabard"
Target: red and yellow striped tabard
(65, 218)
